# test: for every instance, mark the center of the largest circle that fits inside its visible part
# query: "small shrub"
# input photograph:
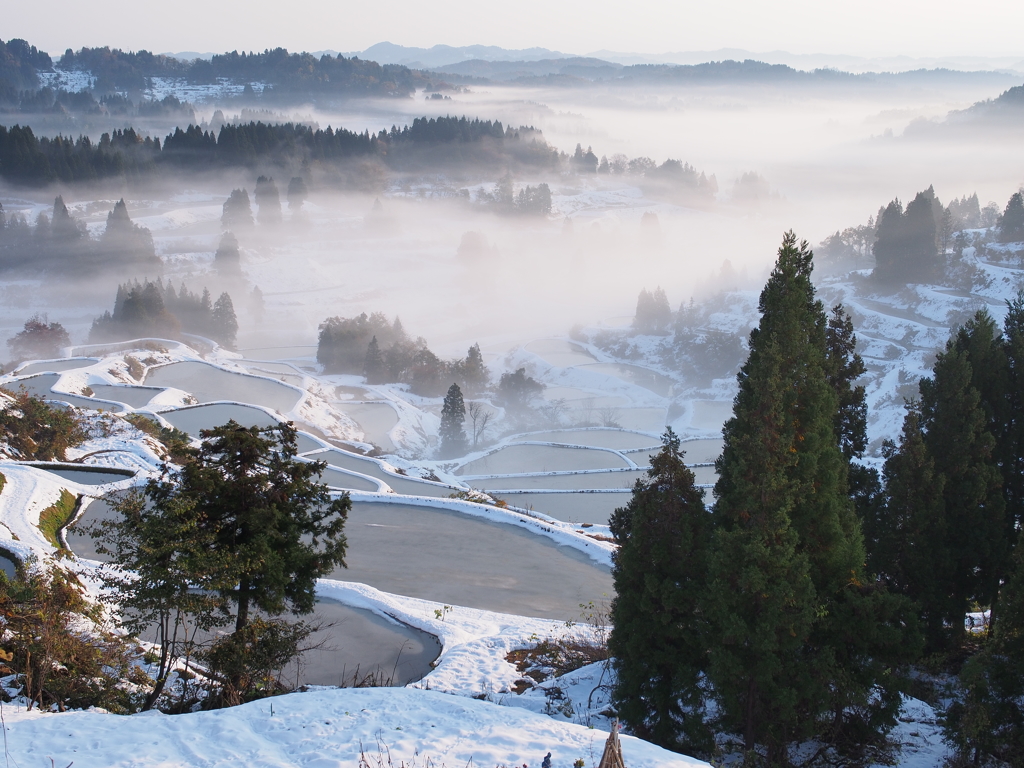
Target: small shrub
(37, 430)
(56, 516)
(136, 369)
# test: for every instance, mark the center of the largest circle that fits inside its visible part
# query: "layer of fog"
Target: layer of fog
(826, 159)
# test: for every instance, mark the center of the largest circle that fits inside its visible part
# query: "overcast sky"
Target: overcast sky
(858, 27)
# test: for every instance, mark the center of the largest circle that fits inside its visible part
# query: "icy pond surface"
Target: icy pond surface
(594, 508)
(573, 482)
(599, 438)
(40, 386)
(8, 567)
(192, 420)
(657, 383)
(88, 477)
(210, 384)
(136, 397)
(516, 459)
(458, 559)
(710, 414)
(57, 366)
(359, 642)
(375, 419)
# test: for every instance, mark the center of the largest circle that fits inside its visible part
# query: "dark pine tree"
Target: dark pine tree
(1011, 223)
(453, 418)
(659, 636)
(223, 323)
(237, 212)
(268, 201)
(789, 547)
(374, 369)
(228, 259)
(962, 447)
(474, 373)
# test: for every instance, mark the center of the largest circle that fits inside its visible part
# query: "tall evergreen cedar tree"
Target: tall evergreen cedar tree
(802, 646)
(453, 417)
(986, 720)
(252, 526)
(659, 634)
(374, 369)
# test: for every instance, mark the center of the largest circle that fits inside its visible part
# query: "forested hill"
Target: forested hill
(280, 71)
(30, 160)
(294, 73)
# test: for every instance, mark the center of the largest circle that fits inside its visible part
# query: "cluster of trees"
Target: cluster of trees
(48, 101)
(653, 314)
(58, 242)
(380, 350)
(38, 340)
(945, 527)
(922, 241)
(19, 63)
(672, 177)
(530, 200)
(28, 159)
(763, 606)
(799, 602)
(156, 309)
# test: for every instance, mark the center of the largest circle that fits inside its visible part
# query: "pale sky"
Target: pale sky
(862, 28)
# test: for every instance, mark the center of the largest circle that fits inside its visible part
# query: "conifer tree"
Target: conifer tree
(224, 324)
(374, 368)
(453, 417)
(789, 545)
(659, 636)
(227, 259)
(986, 719)
(959, 442)
(474, 372)
(1011, 223)
(1012, 449)
(268, 200)
(237, 211)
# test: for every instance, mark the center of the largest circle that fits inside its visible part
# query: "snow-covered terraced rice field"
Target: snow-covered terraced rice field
(560, 353)
(656, 382)
(457, 559)
(520, 459)
(642, 419)
(375, 419)
(280, 353)
(399, 484)
(598, 438)
(709, 414)
(210, 384)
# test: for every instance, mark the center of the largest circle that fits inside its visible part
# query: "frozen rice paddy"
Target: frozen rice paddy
(597, 438)
(192, 420)
(453, 558)
(581, 507)
(210, 384)
(559, 353)
(56, 366)
(136, 397)
(87, 476)
(520, 459)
